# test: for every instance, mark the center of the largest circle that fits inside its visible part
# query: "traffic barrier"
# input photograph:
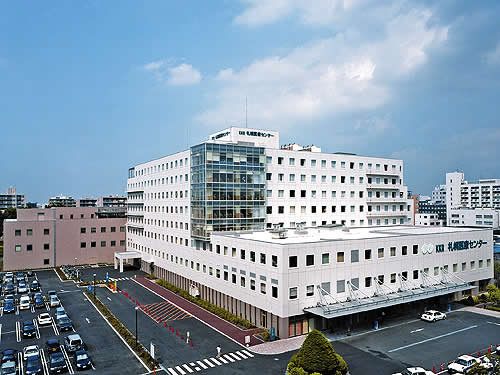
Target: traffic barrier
(176, 333)
(191, 343)
(182, 338)
(165, 324)
(479, 354)
(442, 367)
(434, 369)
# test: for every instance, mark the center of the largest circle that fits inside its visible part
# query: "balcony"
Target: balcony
(378, 172)
(383, 186)
(136, 225)
(386, 213)
(385, 200)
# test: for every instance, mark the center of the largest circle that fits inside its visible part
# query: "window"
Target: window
(480, 263)
(340, 286)
(415, 249)
(274, 260)
(380, 252)
(103, 243)
(281, 177)
(113, 229)
(325, 258)
(83, 230)
(292, 261)
(281, 209)
(93, 230)
(83, 245)
(103, 229)
(291, 177)
(274, 291)
(333, 163)
(269, 176)
(393, 278)
(263, 288)
(93, 244)
(262, 258)
(242, 254)
(455, 267)
(280, 160)
(340, 257)
(122, 242)
(326, 286)
(380, 279)
(46, 231)
(18, 232)
(313, 163)
(113, 243)
(472, 265)
(291, 161)
(233, 252)
(18, 248)
(310, 290)
(46, 246)
(393, 251)
(415, 274)
(233, 278)
(242, 281)
(368, 254)
(464, 266)
(252, 284)
(226, 275)
(29, 232)
(293, 293)
(368, 282)
(122, 229)
(252, 256)
(404, 250)
(354, 256)
(310, 260)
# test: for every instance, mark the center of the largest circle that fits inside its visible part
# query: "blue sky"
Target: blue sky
(90, 88)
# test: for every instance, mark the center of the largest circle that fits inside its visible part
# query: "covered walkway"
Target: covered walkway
(125, 255)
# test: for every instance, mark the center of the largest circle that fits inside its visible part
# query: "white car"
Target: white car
(44, 319)
(414, 371)
(54, 301)
(432, 316)
(32, 350)
(464, 363)
(24, 303)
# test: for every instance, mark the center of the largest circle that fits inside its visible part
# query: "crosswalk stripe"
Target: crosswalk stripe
(187, 368)
(197, 368)
(178, 368)
(171, 370)
(223, 360)
(235, 356)
(209, 363)
(216, 361)
(241, 354)
(229, 358)
(202, 365)
(247, 353)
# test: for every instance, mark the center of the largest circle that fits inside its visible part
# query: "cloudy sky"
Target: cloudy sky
(90, 88)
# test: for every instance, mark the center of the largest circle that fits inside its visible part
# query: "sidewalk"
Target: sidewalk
(226, 328)
(479, 310)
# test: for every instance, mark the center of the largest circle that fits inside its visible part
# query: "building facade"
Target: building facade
(61, 201)
(42, 238)
(112, 201)
(12, 199)
(428, 220)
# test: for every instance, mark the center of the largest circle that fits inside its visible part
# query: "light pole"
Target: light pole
(136, 309)
(94, 286)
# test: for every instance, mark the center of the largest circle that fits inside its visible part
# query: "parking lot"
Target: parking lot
(107, 352)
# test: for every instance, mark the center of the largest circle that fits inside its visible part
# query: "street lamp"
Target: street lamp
(136, 309)
(94, 286)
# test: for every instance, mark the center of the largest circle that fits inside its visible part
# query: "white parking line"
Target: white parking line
(431, 339)
(202, 365)
(18, 331)
(56, 331)
(20, 363)
(497, 324)
(417, 330)
(44, 362)
(68, 362)
(35, 322)
(1, 311)
(0, 333)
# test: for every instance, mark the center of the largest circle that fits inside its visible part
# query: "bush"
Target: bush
(493, 308)
(317, 355)
(61, 274)
(219, 311)
(483, 298)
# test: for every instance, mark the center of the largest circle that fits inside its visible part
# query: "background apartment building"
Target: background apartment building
(42, 238)
(12, 199)
(61, 201)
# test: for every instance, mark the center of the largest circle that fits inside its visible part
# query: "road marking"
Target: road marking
(70, 366)
(44, 362)
(202, 365)
(187, 368)
(108, 298)
(208, 363)
(178, 368)
(431, 339)
(0, 333)
(223, 360)
(171, 370)
(20, 362)
(88, 320)
(497, 324)
(241, 354)
(235, 356)
(417, 330)
(18, 331)
(247, 353)
(229, 358)
(37, 329)
(54, 326)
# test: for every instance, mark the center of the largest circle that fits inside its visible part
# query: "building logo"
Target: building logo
(427, 248)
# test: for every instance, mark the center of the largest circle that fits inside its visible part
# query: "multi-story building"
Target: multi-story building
(428, 220)
(61, 201)
(86, 202)
(12, 199)
(41, 238)
(112, 201)
(433, 207)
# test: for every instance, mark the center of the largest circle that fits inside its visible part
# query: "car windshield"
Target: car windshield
(33, 363)
(81, 357)
(9, 368)
(462, 362)
(57, 359)
(406, 372)
(27, 327)
(31, 351)
(64, 319)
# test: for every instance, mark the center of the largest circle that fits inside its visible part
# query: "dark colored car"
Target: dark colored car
(9, 288)
(30, 273)
(8, 368)
(64, 323)
(8, 307)
(9, 355)
(82, 360)
(57, 364)
(33, 365)
(39, 302)
(35, 286)
(53, 346)
(29, 329)
(52, 293)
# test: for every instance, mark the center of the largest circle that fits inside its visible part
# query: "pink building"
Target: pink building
(41, 238)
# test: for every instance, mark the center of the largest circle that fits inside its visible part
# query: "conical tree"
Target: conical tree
(317, 355)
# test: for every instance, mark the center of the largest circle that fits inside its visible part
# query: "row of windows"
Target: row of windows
(162, 167)
(103, 229)
(243, 255)
(29, 247)
(83, 245)
(29, 232)
(161, 181)
(71, 216)
(333, 179)
(341, 284)
(333, 194)
(352, 222)
(333, 164)
(158, 236)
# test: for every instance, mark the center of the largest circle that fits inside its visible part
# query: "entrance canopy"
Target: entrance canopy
(384, 296)
(124, 255)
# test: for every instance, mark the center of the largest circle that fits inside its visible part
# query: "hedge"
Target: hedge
(124, 332)
(61, 274)
(219, 311)
(494, 308)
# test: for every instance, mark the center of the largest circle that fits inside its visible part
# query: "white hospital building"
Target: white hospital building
(292, 238)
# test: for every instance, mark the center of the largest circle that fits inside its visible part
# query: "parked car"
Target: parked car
(39, 303)
(73, 343)
(9, 288)
(24, 303)
(9, 355)
(433, 316)
(8, 307)
(30, 351)
(464, 363)
(44, 319)
(9, 297)
(82, 360)
(9, 368)
(30, 273)
(57, 364)
(60, 312)
(33, 366)
(54, 301)
(29, 329)
(414, 371)
(64, 323)
(22, 288)
(52, 293)
(20, 277)
(53, 346)
(35, 286)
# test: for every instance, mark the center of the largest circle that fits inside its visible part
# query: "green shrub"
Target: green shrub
(298, 371)
(61, 274)
(317, 355)
(493, 308)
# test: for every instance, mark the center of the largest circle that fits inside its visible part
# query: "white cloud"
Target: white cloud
(493, 57)
(326, 77)
(180, 75)
(183, 74)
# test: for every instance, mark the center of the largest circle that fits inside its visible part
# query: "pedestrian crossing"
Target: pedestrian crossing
(224, 359)
(119, 278)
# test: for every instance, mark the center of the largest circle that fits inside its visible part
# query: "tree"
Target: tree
(497, 272)
(478, 370)
(9, 213)
(317, 355)
(493, 294)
